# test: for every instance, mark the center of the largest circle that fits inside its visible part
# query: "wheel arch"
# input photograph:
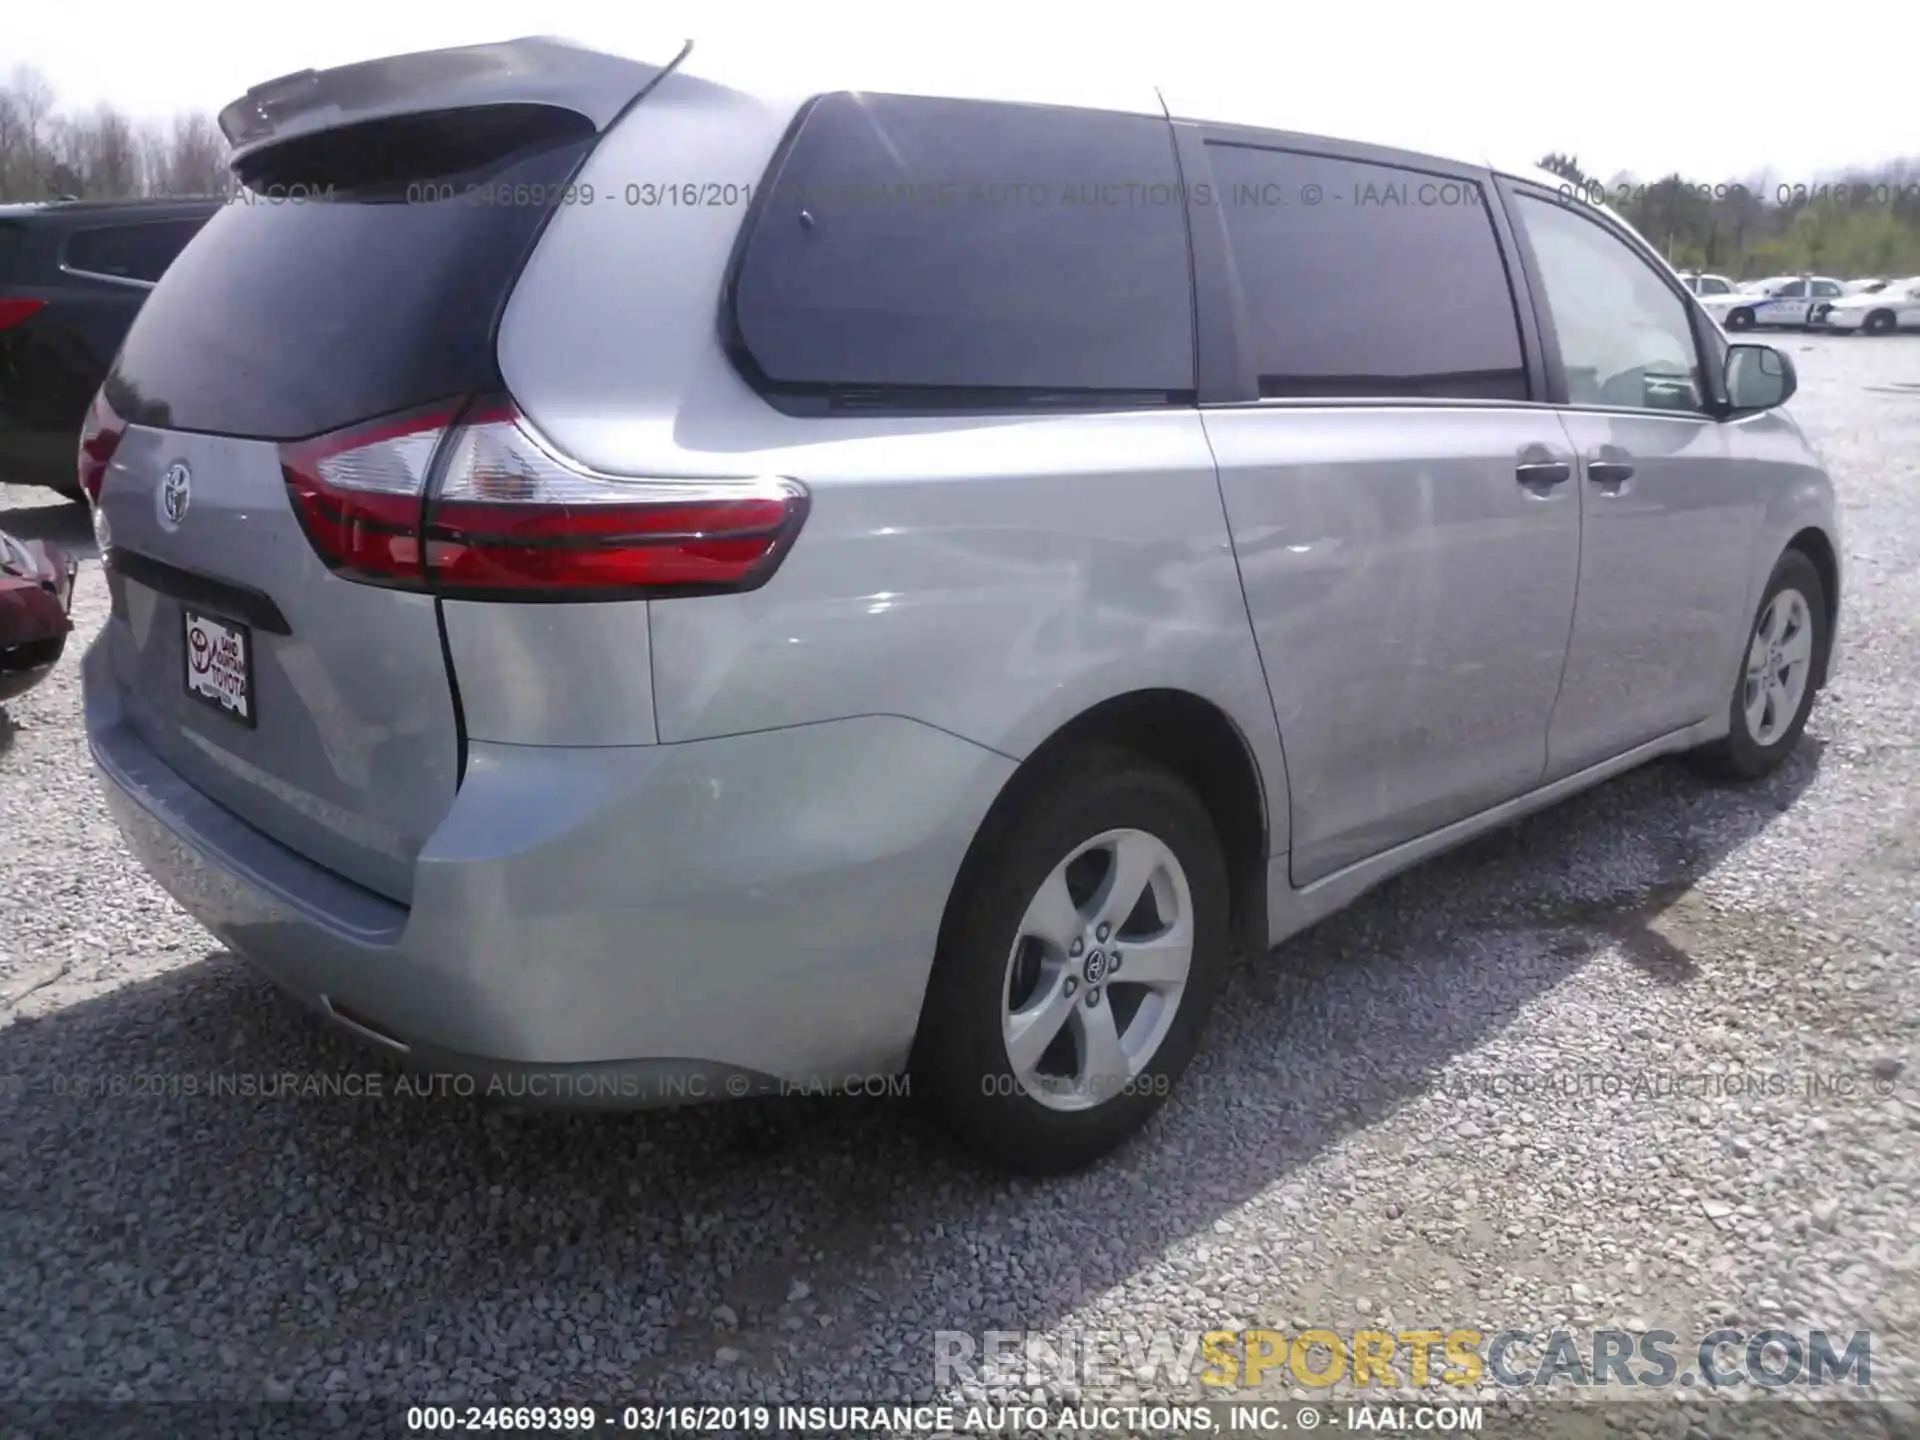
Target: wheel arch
(1194, 739)
(1817, 546)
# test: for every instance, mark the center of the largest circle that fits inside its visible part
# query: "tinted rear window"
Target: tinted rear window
(361, 276)
(930, 249)
(10, 235)
(141, 251)
(1367, 281)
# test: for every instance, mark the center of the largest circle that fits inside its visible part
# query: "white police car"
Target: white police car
(1704, 285)
(1781, 300)
(1895, 306)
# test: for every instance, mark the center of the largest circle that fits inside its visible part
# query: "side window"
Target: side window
(1625, 338)
(132, 252)
(1793, 290)
(932, 246)
(1714, 287)
(1825, 290)
(1367, 281)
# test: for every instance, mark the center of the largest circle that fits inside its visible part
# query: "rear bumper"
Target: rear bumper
(614, 925)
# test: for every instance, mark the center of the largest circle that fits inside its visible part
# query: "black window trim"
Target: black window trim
(906, 402)
(1703, 329)
(1226, 361)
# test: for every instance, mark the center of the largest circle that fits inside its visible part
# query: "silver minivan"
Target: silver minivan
(634, 591)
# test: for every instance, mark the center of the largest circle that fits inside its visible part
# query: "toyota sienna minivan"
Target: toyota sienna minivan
(654, 591)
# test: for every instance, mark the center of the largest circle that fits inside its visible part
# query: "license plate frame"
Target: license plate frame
(213, 689)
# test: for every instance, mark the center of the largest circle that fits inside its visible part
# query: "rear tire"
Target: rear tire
(1016, 1050)
(1880, 322)
(1740, 320)
(1773, 689)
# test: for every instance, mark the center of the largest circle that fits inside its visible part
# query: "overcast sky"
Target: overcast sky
(1715, 91)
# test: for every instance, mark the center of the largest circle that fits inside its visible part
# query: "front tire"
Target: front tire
(1040, 1047)
(1773, 692)
(1740, 320)
(1880, 322)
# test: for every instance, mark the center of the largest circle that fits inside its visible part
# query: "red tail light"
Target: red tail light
(12, 312)
(510, 518)
(359, 494)
(100, 436)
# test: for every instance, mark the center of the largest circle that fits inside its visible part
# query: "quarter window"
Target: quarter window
(955, 253)
(1367, 281)
(1626, 339)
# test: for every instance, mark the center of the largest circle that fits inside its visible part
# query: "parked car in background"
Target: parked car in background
(36, 594)
(1865, 287)
(1701, 284)
(1780, 301)
(73, 275)
(859, 637)
(1879, 312)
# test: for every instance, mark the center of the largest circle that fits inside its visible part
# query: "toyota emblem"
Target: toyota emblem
(176, 493)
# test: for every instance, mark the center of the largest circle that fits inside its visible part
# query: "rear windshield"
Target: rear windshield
(9, 240)
(361, 273)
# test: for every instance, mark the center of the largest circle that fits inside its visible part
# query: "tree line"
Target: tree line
(101, 154)
(1863, 222)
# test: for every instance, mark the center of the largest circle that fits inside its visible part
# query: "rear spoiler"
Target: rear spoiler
(534, 71)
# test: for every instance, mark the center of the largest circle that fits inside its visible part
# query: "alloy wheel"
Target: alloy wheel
(1097, 970)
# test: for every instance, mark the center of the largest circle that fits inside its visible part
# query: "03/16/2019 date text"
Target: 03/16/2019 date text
(650, 195)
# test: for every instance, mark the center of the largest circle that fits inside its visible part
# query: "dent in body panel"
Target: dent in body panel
(1411, 600)
(559, 674)
(993, 576)
(770, 900)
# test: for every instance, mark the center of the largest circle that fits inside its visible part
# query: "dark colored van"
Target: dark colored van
(73, 274)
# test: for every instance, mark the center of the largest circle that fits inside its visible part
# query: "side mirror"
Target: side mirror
(1759, 377)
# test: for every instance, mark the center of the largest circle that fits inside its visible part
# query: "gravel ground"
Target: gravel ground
(1397, 1121)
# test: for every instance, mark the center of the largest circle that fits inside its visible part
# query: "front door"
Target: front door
(1789, 305)
(1668, 524)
